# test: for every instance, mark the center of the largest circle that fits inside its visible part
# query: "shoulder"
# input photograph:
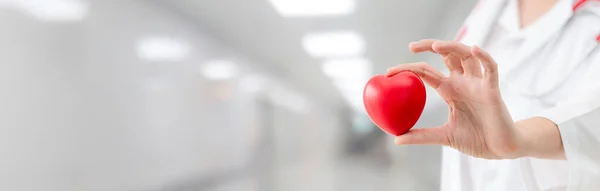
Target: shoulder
(587, 8)
(585, 23)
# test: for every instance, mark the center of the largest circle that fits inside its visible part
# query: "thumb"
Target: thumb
(423, 136)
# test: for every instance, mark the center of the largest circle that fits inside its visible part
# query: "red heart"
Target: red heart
(395, 103)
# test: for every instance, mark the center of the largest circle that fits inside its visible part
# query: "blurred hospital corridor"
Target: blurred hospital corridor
(210, 95)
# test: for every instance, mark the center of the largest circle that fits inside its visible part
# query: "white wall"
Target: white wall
(81, 111)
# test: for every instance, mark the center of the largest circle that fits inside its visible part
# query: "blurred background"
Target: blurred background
(217, 95)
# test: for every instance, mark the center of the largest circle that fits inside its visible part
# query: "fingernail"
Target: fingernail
(413, 43)
(397, 142)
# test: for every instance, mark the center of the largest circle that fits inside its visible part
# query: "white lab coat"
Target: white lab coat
(554, 74)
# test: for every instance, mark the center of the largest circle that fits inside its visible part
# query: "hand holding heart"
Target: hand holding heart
(478, 123)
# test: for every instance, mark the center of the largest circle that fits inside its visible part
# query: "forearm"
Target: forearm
(540, 138)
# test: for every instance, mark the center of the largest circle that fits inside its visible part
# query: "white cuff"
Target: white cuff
(580, 134)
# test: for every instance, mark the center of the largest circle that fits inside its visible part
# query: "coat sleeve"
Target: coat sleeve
(578, 120)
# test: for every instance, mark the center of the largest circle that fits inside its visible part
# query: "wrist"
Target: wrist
(516, 146)
(522, 145)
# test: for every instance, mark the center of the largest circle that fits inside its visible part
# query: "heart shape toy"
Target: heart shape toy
(395, 103)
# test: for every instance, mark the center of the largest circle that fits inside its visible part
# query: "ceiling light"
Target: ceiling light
(162, 49)
(347, 69)
(219, 70)
(349, 77)
(352, 91)
(333, 44)
(304, 8)
(55, 10)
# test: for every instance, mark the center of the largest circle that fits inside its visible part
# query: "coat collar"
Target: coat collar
(549, 26)
(542, 33)
(482, 20)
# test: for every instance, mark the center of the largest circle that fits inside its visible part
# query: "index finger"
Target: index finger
(452, 61)
(428, 73)
(469, 64)
(452, 47)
